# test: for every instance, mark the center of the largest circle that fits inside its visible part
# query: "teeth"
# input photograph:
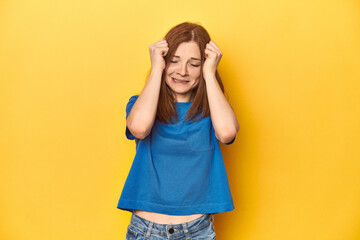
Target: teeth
(179, 81)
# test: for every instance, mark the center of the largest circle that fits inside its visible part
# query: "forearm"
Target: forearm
(142, 115)
(222, 115)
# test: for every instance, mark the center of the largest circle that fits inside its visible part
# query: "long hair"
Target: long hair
(185, 32)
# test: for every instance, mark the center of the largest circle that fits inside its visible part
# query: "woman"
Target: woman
(178, 178)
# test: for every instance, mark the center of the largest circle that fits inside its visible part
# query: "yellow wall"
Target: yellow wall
(291, 69)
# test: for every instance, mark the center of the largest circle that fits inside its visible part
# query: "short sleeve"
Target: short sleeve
(231, 141)
(129, 106)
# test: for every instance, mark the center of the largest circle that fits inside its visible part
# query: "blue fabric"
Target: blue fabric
(178, 169)
(199, 228)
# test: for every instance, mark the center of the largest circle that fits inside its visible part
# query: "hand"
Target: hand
(158, 51)
(212, 58)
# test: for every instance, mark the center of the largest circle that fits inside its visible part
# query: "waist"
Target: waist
(166, 219)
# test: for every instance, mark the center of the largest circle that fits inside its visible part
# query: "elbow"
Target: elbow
(138, 131)
(228, 136)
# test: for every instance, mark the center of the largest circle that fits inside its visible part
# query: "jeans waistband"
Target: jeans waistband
(148, 227)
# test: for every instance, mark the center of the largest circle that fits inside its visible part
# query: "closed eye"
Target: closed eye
(194, 65)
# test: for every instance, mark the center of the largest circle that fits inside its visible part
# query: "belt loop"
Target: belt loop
(148, 232)
(212, 218)
(186, 230)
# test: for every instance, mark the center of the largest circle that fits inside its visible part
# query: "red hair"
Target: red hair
(185, 32)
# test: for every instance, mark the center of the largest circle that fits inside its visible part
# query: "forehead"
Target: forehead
(188, 50)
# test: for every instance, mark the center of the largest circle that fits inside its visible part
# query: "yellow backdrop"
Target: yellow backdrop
(292, 73)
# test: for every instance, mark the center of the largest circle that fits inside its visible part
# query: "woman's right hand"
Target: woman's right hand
(158, 51)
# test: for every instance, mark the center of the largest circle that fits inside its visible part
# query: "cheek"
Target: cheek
(170, 70)
(195, 74)
(167, 80)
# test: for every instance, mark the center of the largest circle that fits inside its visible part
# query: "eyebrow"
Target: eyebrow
(191, 58)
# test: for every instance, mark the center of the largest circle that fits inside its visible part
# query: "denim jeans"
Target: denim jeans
(200, 228)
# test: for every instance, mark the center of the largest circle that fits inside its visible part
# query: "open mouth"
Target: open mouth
(179, 81)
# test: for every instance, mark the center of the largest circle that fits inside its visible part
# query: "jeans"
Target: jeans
(200, 228)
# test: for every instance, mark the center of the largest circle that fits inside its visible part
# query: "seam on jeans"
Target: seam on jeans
(200, 227)
(132, 231)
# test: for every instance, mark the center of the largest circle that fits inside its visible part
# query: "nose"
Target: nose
(182, 70)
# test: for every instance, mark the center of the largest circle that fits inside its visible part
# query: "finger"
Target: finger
(159, 48)
(215, 46)
(153, 48)
(208, 53)
(164, 51)
(212, 48)
(161, 40)
(160, 43)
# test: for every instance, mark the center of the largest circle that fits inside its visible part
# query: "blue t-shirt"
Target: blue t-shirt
(178, 169)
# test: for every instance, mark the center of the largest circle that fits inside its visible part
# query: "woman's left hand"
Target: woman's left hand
(212, 58)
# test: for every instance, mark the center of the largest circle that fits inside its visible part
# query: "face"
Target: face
(184, 69)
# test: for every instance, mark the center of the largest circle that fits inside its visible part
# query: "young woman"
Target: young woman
(178, 178)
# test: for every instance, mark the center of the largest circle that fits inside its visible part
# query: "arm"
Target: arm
(142, 115)
(222, 115)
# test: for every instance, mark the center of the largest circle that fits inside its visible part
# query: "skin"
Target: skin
(183, 67)
(222, 114)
